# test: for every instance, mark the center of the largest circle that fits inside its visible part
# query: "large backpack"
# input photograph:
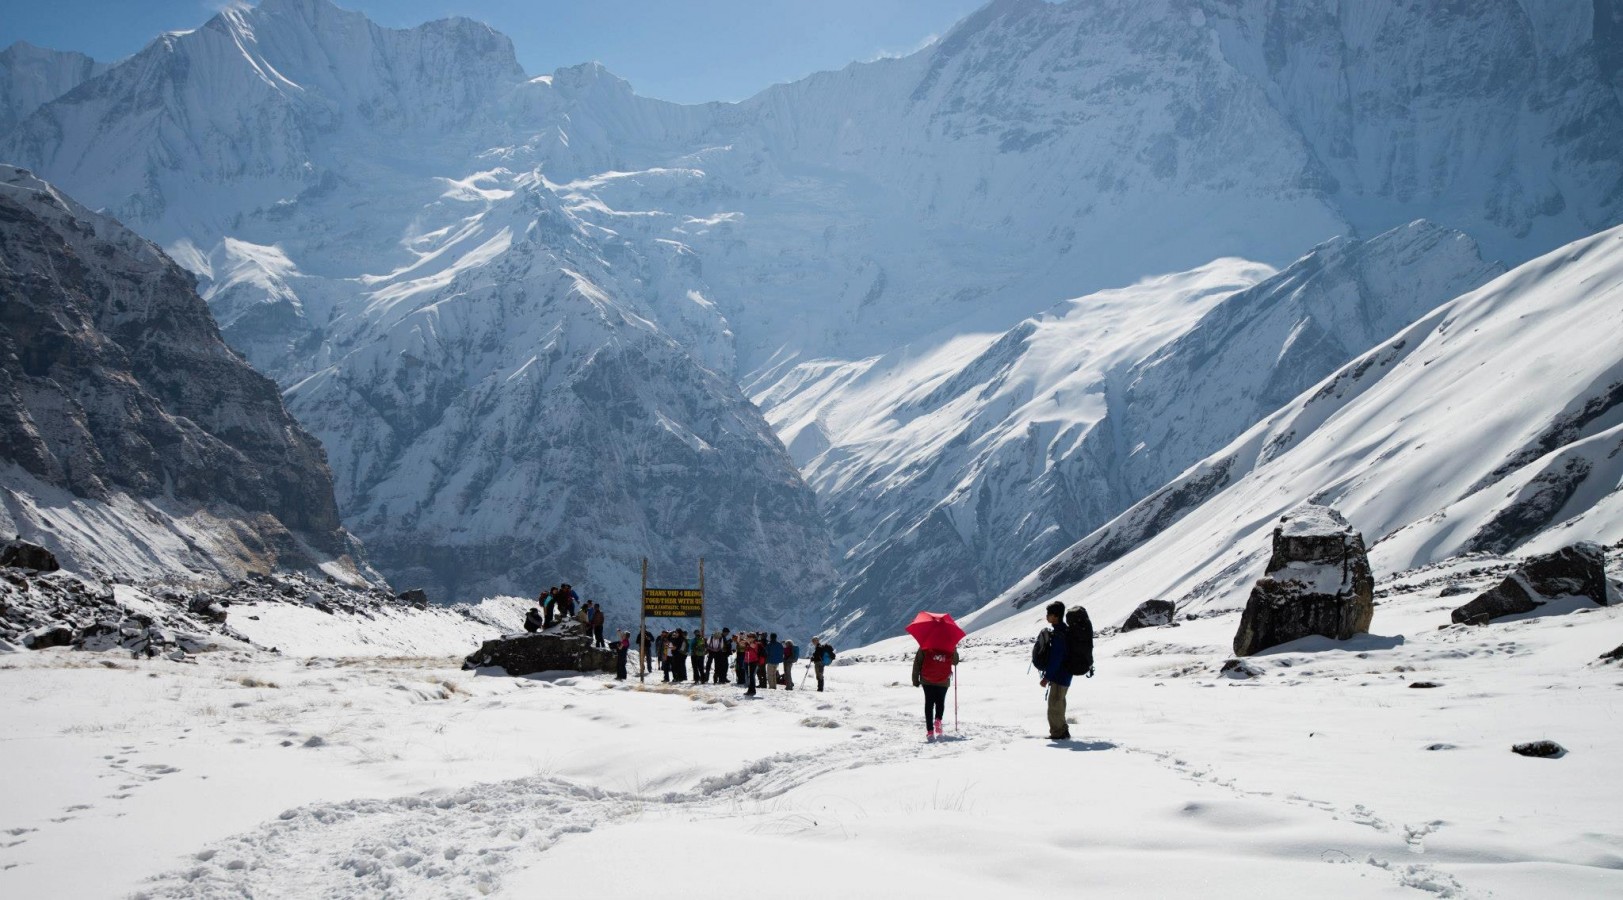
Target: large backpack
(1078, 641)
(937, 668)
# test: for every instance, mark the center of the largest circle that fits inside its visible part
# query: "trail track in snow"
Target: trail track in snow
(461, 843)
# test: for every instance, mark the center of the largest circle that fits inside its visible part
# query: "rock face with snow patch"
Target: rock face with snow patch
(566, 647)
(1318, 582)
(1575, 571)
(116, 389)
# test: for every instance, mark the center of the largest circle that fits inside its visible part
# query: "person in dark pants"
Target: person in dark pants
(790, 657)
(622, 648)
(1057, 677)
(821, 655)
(697, 652)
(549, 605)
(932, 670)
(645, 652)
(738, 658)
(679, 655)
(597, 624)
(749, 660)
(724, 649)
(662, 648)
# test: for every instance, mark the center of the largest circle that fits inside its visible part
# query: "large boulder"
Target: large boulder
(565, 647)
(1151, 614)
(1318, 581)
(20, 554)
(1578, 570)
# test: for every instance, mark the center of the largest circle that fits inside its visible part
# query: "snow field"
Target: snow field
(253, 774)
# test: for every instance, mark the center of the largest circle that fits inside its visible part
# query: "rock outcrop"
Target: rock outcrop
(1151, 614)
(121, 405)
(20, 554)
(1318, 581)
(1578, 570)
(566, 647)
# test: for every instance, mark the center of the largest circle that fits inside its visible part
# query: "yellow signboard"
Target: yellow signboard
(673, 603)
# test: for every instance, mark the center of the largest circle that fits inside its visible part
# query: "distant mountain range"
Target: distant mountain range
(825, 337)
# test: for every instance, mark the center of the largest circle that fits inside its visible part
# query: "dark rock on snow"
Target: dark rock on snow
(1615, 655)
(20, 554)
(1150, 614)
(565, 647)
(1540, 749)
(1318, 581)
(1239, 668)
(416, 597)
(1578, 570)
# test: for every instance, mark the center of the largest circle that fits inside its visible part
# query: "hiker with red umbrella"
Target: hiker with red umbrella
(938, 636)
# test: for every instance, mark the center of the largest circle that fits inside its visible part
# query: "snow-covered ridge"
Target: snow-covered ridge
(1491, 424)
(1001, 457)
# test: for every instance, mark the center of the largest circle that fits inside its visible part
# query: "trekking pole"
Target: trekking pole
(955, 699)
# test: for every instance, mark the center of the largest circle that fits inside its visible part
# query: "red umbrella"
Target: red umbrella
(936, 631)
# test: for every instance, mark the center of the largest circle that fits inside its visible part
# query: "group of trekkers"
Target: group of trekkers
(560, 603)
(759, 660)
(754, 659)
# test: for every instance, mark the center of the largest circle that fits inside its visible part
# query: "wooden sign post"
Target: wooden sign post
(668, 603)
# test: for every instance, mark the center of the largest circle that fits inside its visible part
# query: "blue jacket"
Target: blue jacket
(1056, 673)
(774, 653)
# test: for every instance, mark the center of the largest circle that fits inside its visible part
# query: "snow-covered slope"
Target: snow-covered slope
(31, 77)
(954, 472)
(133, 441)
(1494, 423)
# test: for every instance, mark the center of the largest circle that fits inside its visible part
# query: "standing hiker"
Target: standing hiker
(790, 657)
(549, 605)
(622, 647)
(821, 655)
(663, 649)
(1056, 671)
(645, 647)
(738, 657)
(774, 661)
(596, 621)
(699, 652)
(748, 654)
(679, 655)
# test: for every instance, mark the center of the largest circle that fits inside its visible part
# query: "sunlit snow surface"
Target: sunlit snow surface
(395, 774)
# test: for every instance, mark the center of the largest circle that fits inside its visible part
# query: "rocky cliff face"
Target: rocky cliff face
(116, 389)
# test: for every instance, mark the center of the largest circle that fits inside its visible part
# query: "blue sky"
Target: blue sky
(683, 50)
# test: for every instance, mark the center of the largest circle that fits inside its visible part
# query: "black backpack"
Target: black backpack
(1078, 642)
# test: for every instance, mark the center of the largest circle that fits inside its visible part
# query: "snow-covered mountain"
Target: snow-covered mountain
(344, 188)
(958, 472)
(133, 441)
(1492, 424)
(31, 77)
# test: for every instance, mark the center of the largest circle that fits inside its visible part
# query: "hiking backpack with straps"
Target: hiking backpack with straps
(1078, 644)
(1079, 641)
(937, 668)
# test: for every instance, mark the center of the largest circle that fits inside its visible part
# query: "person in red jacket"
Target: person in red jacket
(932, 670)
(750, 652)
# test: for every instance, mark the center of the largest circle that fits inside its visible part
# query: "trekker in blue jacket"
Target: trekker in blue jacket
(774, 660)
(1056, 677)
